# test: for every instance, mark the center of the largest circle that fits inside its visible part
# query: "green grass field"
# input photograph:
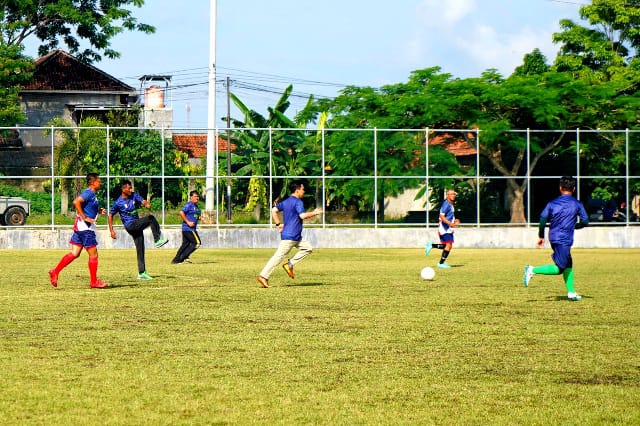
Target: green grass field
(356, 338)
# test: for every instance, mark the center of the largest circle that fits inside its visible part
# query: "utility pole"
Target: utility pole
(212, 143)
(228, 154)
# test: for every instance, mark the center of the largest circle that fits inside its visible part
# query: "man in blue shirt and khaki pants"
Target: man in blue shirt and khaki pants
(291, 232)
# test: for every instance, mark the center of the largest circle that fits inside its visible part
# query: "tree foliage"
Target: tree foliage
(15, 70)
(75, 23)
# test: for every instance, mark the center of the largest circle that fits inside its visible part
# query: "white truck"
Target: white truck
(14, 211)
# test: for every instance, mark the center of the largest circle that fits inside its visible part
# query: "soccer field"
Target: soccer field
(356, 338)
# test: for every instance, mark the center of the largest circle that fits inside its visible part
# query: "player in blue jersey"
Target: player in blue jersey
(562, 214)
(291, 232)
(84, 233)
(127, 205)
(190, 238)
(446, 223)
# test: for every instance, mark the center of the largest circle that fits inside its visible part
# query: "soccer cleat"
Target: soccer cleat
(443, 266)
(263, 281)
(187, 260)
(98, 284)
(288, 268)
(160, 242)
(53, 277)
(574, 297)
(178, 262)
(427, 248)
(528, 274)
(144, 276)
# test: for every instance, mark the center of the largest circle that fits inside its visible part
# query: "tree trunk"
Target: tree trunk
(64, 201)
(256, 211)
(516, 202)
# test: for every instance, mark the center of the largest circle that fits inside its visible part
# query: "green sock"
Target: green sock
(546, 270)
(568, 279)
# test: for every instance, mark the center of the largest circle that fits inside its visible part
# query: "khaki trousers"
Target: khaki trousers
(285, 246)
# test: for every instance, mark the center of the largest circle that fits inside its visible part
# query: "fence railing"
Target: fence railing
(362, 177)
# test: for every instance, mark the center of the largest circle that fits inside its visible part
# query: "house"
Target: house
(62, 86)
(195, 145)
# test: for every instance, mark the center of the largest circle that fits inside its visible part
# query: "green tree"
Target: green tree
(78, 152)
(293, 152)
(15, 70)
(73, 22)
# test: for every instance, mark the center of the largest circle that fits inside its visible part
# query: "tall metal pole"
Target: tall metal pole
(228, 154)
(211, 109)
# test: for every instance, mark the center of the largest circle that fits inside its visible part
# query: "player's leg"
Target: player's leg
(180, 255)
(93, 267)
(283, 250)
(567, 275)
(138, 241)
(158, 239)
(193, 243)
(304, 249)
(76, 249)
(447, 241)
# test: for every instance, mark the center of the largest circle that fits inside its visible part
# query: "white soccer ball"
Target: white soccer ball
(427, 273)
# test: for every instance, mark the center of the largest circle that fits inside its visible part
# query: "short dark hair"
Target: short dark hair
(125, 182)
(91, 177)
(295, 185)
(568, 183)
(192, 193)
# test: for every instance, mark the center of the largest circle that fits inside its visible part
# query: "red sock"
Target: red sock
(66, 259)
(93, 268)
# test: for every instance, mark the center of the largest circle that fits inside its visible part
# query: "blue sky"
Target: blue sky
(322, 46)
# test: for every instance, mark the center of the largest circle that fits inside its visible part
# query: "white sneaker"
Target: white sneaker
(574, 297)
(528, 274)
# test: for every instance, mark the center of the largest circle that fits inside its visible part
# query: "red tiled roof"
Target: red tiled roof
(456, 145)
(59, 71)
(196, 144)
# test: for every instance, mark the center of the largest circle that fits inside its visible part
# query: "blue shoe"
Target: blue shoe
(443, 266)
(528, 274)
(574, 297)
(427, 248)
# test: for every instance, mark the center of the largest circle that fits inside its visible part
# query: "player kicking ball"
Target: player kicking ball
(561, 214)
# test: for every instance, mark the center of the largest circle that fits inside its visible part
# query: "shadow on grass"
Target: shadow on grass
(304, 284)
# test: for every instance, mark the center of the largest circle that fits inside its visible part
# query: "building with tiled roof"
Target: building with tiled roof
(62, 86)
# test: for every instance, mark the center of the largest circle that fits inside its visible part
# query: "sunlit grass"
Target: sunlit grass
(356, 338)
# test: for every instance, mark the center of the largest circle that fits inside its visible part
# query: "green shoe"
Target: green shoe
(160, 242)
(144, 276)
(443, 266)
(427, 248)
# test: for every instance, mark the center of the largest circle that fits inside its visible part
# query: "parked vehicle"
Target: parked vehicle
(14, 211)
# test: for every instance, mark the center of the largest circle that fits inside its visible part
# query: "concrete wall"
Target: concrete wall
(591, 237)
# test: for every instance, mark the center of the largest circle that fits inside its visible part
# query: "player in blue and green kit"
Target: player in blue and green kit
(190, 238)
(561, 214)
(84, 233)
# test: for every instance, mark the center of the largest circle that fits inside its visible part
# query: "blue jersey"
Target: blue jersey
(292, 208)
(192, 212)
(562, 214)
(90, 209)
(128, 208)
(447, 210)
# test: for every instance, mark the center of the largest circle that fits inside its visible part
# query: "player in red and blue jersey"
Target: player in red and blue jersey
(291, 232)
(446, 222)
(562, 214)
(190, 238)
(127, 205)
(84, 232)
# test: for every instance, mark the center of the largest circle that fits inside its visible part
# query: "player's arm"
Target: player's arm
(275, 217)
(313, 213)
(583, 219)
(443, 219)
(541, 226)
(185, 219)
(77, 204)
(110, 222)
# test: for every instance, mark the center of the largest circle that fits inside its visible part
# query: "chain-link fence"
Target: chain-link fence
(360, 177)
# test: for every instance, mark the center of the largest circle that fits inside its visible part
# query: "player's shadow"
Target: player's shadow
(115, 286)
(307, 284)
